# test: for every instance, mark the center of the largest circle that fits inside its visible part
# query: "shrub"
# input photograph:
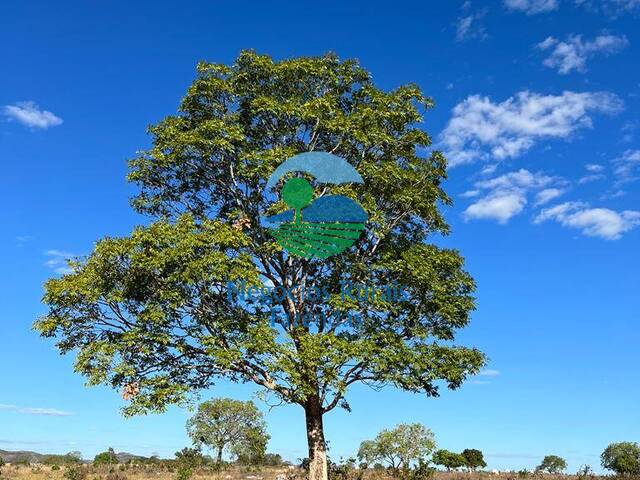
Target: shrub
(184, 473)
(75, 472)
(106, 458)
(585, 473)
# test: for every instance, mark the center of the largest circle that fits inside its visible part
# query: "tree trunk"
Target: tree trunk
(315, 439)
(219, 460)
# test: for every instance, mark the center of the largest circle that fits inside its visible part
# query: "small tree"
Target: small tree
(622, 458)
(449, 460)
(106, 458)
(400, 447)
(473, 459)
(552, 464)
(226, 423)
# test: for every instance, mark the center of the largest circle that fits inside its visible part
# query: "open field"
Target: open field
(123, 472)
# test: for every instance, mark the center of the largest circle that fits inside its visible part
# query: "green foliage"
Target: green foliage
(473, 458)
(191, 458)
(273, 460)
(226, 423)
(623, 458)
(67, 459)
(183, 472)
(422, 471)
(106, 458)
(449, 460)
(400, 447)
(75, 472)
(149, 312)
(552, 464)
(524, 473)
(21, 461)
(2, 462)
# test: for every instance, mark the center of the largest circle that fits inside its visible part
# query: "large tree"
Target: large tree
(150, 313)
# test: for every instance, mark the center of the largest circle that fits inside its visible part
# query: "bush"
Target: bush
(585, 473)
(106, 458)
(184, 473)
(75, 473)
(116, 476)
(422, 471)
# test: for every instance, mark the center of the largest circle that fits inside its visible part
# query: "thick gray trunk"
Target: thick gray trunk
(315, 439)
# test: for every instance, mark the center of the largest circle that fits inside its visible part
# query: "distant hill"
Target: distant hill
(34, 457)
(11, 457)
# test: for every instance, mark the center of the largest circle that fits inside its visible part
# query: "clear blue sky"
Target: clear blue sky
(536, 104)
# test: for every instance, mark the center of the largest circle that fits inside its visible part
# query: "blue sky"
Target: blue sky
(536, 106)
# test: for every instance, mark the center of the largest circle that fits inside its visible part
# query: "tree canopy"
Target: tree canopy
(224, 423)
(399, 447)
(623, 458)
(449, 460)
(552, 464)
(473, 458)
(151, 314)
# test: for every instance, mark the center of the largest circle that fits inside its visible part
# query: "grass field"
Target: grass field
(86, 472)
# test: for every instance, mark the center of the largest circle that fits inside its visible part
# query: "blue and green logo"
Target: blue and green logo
(320, 227)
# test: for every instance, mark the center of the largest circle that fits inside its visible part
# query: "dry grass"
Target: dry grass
(38, 472)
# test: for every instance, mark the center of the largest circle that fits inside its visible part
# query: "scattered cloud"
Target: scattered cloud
(469, 25)
(489, 373)
(482, 129)
(591, 178)
(548, 194)
(609, 7)
(30, 115)
(594, 222)
(594, 167)
(505, 196)
(58, 261)
(50, 412)
(21, 240)
(532, 7)
(627, 167)
(573, 53)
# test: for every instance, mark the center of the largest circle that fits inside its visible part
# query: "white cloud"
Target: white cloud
(51, 412)
(591, 178)
(506, 195)
(594, 168)
(531, 7)
(548, 194)
(58, 261)
(470, 194)
(610, 7)
(593, 222)
(573, 53)
(498, 206)
(30, 115)
(489, 373)
(627, 167)
(482, 129)
(469, 25)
